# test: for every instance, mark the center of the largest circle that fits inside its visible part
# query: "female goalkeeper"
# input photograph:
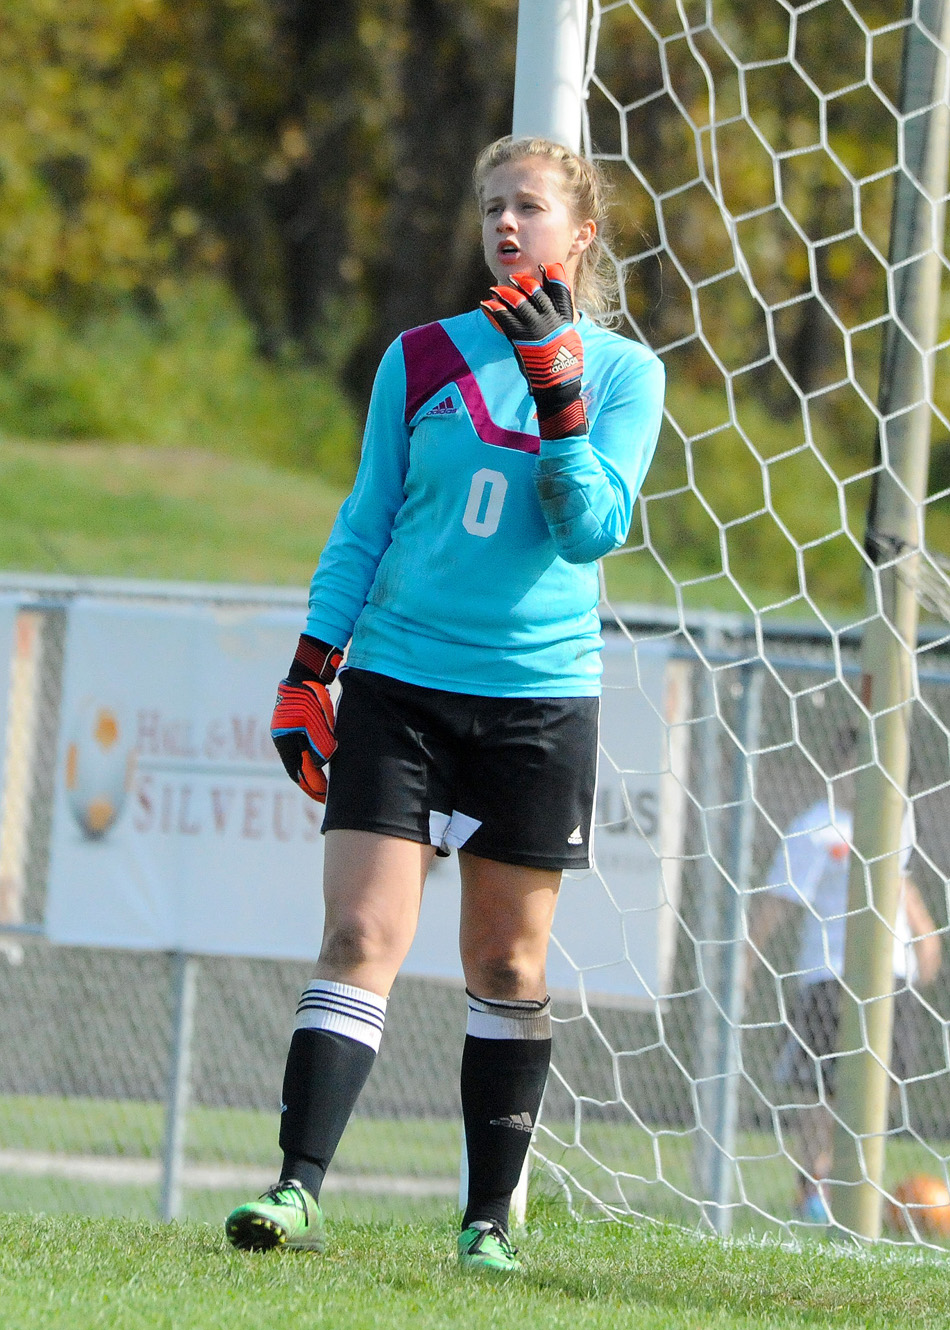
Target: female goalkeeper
(503, 453)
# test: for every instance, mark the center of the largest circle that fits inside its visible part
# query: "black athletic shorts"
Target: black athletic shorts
(507, 778)
(814, 1018)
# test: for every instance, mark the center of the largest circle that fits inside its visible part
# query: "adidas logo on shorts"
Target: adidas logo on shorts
(575, 838)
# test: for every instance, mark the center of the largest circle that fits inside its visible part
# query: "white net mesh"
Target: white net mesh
(755, 154)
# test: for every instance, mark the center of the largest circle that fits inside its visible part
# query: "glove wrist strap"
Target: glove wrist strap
(314, 660)
(561, 412)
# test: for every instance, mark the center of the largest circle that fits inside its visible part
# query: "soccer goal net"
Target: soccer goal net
(779, 181)
(759, 156)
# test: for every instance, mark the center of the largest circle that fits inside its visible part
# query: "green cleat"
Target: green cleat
(285, 1216)
(486, 1246)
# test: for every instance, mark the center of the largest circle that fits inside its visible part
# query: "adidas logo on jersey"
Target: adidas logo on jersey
(564, 359)
(575, 838)
(444, 408)
(515, 1122)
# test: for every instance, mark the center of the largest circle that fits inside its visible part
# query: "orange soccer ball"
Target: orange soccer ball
(921, 1203)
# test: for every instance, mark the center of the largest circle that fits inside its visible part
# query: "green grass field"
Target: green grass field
(620, 1164)
(76, 1274)
(190, 514)
(113, 510)
(168, 448)
(181, 515)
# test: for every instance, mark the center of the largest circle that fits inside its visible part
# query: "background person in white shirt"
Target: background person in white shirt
(808, 884)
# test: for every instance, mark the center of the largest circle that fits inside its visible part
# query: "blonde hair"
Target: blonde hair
(586, 194)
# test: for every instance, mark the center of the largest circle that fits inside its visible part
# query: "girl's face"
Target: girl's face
(526, 220)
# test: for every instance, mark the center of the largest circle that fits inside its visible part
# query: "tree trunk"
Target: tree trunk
(457, 84)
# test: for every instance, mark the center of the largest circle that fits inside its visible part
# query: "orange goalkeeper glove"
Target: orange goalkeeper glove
(302, 724)
(538, 320)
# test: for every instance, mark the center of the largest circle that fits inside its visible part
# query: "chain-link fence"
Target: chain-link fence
(133, 1082)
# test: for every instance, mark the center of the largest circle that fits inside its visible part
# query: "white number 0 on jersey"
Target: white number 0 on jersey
(485, 500)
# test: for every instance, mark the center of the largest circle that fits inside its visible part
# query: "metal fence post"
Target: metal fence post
(184, 975)
(732, 972)
(708, 925)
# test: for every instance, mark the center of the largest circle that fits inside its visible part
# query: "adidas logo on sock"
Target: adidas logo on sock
(575, 838)
(444, 408)
(515, 1122)
(564, 359)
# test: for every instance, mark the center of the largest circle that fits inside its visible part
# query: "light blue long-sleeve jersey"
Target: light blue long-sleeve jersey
(465, 556)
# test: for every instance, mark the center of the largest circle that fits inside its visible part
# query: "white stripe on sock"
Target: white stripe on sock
(488, 1019)
(342, 1009)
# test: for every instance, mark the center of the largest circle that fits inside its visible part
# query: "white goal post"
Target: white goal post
(549, 70)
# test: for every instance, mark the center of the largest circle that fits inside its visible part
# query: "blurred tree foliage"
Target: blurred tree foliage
(755, 229)
(320, 155)
(392, 101)
(134, 137)
(317, 154)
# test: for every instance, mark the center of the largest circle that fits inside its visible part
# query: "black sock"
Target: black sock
(504, 1068)
(331, 1054)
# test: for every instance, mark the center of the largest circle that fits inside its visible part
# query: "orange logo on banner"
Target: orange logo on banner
(99, 768)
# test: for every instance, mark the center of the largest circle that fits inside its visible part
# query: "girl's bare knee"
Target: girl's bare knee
(349, 946)
(503, 977)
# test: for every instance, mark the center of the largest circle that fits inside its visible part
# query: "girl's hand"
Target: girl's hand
(538, 320)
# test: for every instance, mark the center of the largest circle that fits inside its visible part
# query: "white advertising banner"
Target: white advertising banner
(175, 827)
(615, 927)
